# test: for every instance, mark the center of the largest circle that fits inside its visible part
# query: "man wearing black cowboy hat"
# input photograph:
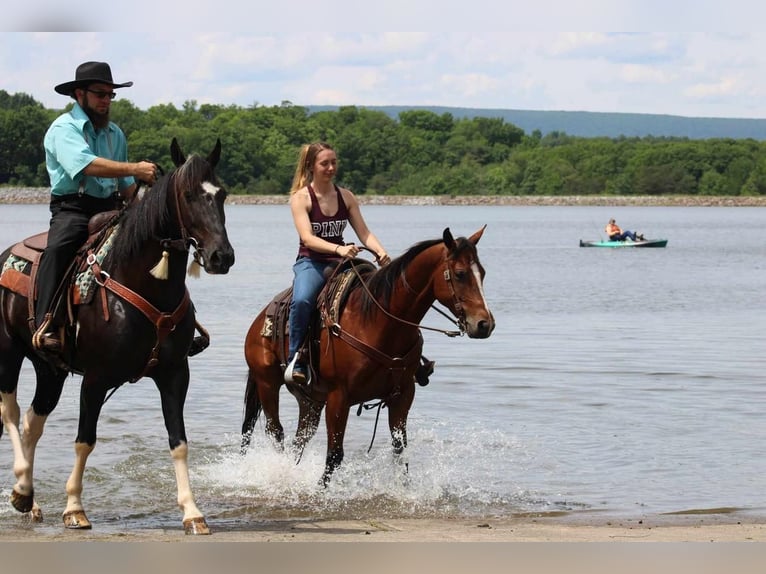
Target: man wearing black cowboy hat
(87, 160)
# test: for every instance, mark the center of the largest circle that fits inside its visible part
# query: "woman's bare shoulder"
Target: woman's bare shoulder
(348, 195)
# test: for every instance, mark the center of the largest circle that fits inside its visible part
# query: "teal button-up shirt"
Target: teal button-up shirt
(72, 143)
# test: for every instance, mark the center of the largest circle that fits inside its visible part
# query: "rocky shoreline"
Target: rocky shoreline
(15, 195)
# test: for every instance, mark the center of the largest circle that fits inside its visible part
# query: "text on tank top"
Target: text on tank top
(328, 227)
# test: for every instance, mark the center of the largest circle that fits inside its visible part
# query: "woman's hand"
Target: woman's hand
(349, 250)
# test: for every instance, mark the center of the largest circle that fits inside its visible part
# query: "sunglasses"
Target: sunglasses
(101, 94)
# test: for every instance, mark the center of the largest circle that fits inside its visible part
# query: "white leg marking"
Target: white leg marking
(74, 484)
(180, 456)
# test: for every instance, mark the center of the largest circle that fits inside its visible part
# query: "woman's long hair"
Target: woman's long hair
(304, 169)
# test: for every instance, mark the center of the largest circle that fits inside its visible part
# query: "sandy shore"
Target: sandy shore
(688, 544)
(662, 528)
(13, 195)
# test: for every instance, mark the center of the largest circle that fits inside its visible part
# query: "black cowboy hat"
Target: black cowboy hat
(90, 73)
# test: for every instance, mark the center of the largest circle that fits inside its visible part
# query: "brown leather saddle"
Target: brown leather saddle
(23, 279)
(330, 302)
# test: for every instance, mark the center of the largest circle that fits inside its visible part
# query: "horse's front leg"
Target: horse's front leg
(336, 418)
(173, 384)
(92, 395)
(397, 423)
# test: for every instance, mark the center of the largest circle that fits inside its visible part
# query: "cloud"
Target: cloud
(692, 74)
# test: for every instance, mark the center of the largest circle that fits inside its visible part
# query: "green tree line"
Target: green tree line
(418, 153)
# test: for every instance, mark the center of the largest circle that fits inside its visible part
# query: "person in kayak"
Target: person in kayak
(615, 233)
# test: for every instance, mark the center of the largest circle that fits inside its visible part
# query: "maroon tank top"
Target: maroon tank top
(330, 228)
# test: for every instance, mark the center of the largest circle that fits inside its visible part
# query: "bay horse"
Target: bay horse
(139, 322)
(372, 350)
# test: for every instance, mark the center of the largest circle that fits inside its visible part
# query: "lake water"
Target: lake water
(628, 382)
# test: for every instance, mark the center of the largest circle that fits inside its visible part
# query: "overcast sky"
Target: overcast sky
(700, 74)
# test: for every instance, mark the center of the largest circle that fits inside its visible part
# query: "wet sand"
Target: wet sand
(698, 544)
(714, 526)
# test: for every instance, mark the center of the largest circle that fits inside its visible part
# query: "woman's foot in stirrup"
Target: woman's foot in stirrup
(297, 372)
(300, 374)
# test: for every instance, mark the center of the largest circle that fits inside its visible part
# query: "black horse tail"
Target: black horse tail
(253, 409)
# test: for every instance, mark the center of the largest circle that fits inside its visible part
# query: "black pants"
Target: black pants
(68, 231)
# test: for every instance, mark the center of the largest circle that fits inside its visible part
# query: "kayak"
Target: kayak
(626, 243)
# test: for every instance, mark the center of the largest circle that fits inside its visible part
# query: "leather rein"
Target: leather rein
(394, 363)
(459, 322)
(164, 323)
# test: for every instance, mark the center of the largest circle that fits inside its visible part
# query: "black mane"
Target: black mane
(148, 218)
(144, 219)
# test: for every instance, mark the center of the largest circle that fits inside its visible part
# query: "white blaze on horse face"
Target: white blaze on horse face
(477, 276)
(208, 187)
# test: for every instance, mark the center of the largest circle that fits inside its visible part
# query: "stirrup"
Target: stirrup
(424, 370)
(298, 378)
(199, 344)
(39, 335)
(43, 340)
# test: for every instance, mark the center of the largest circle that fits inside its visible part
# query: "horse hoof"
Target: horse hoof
(196, 526)
(76, 520)
(22, 502)
(36, 514)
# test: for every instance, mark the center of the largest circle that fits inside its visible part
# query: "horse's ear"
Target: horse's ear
(215, 155)
(449, 241)
(476, 236)
(175, 152)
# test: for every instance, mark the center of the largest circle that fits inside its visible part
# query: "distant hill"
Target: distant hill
(597, 124)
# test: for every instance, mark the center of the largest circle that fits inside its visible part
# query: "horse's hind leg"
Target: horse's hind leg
(253, 409)
(22, 495)
(268, 393)
(309, 413)
(263, 397)
(47, 393)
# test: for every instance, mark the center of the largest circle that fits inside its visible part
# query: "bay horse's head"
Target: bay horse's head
(199, 199)
(461, 289)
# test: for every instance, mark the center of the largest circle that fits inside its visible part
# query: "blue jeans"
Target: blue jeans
(308, 282)
(623, 236)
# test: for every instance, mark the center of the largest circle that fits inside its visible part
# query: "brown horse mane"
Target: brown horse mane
(381, 283)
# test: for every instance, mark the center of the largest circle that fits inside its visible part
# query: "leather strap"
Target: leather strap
(164, 323)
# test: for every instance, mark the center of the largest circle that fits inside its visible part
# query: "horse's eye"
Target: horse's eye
(460, 274)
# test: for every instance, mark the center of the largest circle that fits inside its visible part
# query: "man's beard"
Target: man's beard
(98, 120)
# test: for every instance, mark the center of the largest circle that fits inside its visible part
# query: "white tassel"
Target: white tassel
(195, 269)
(160, 271)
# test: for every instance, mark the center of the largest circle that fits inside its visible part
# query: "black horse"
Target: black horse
(138, 321)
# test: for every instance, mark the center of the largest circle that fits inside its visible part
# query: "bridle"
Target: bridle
(186, 241)
(460, 322)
